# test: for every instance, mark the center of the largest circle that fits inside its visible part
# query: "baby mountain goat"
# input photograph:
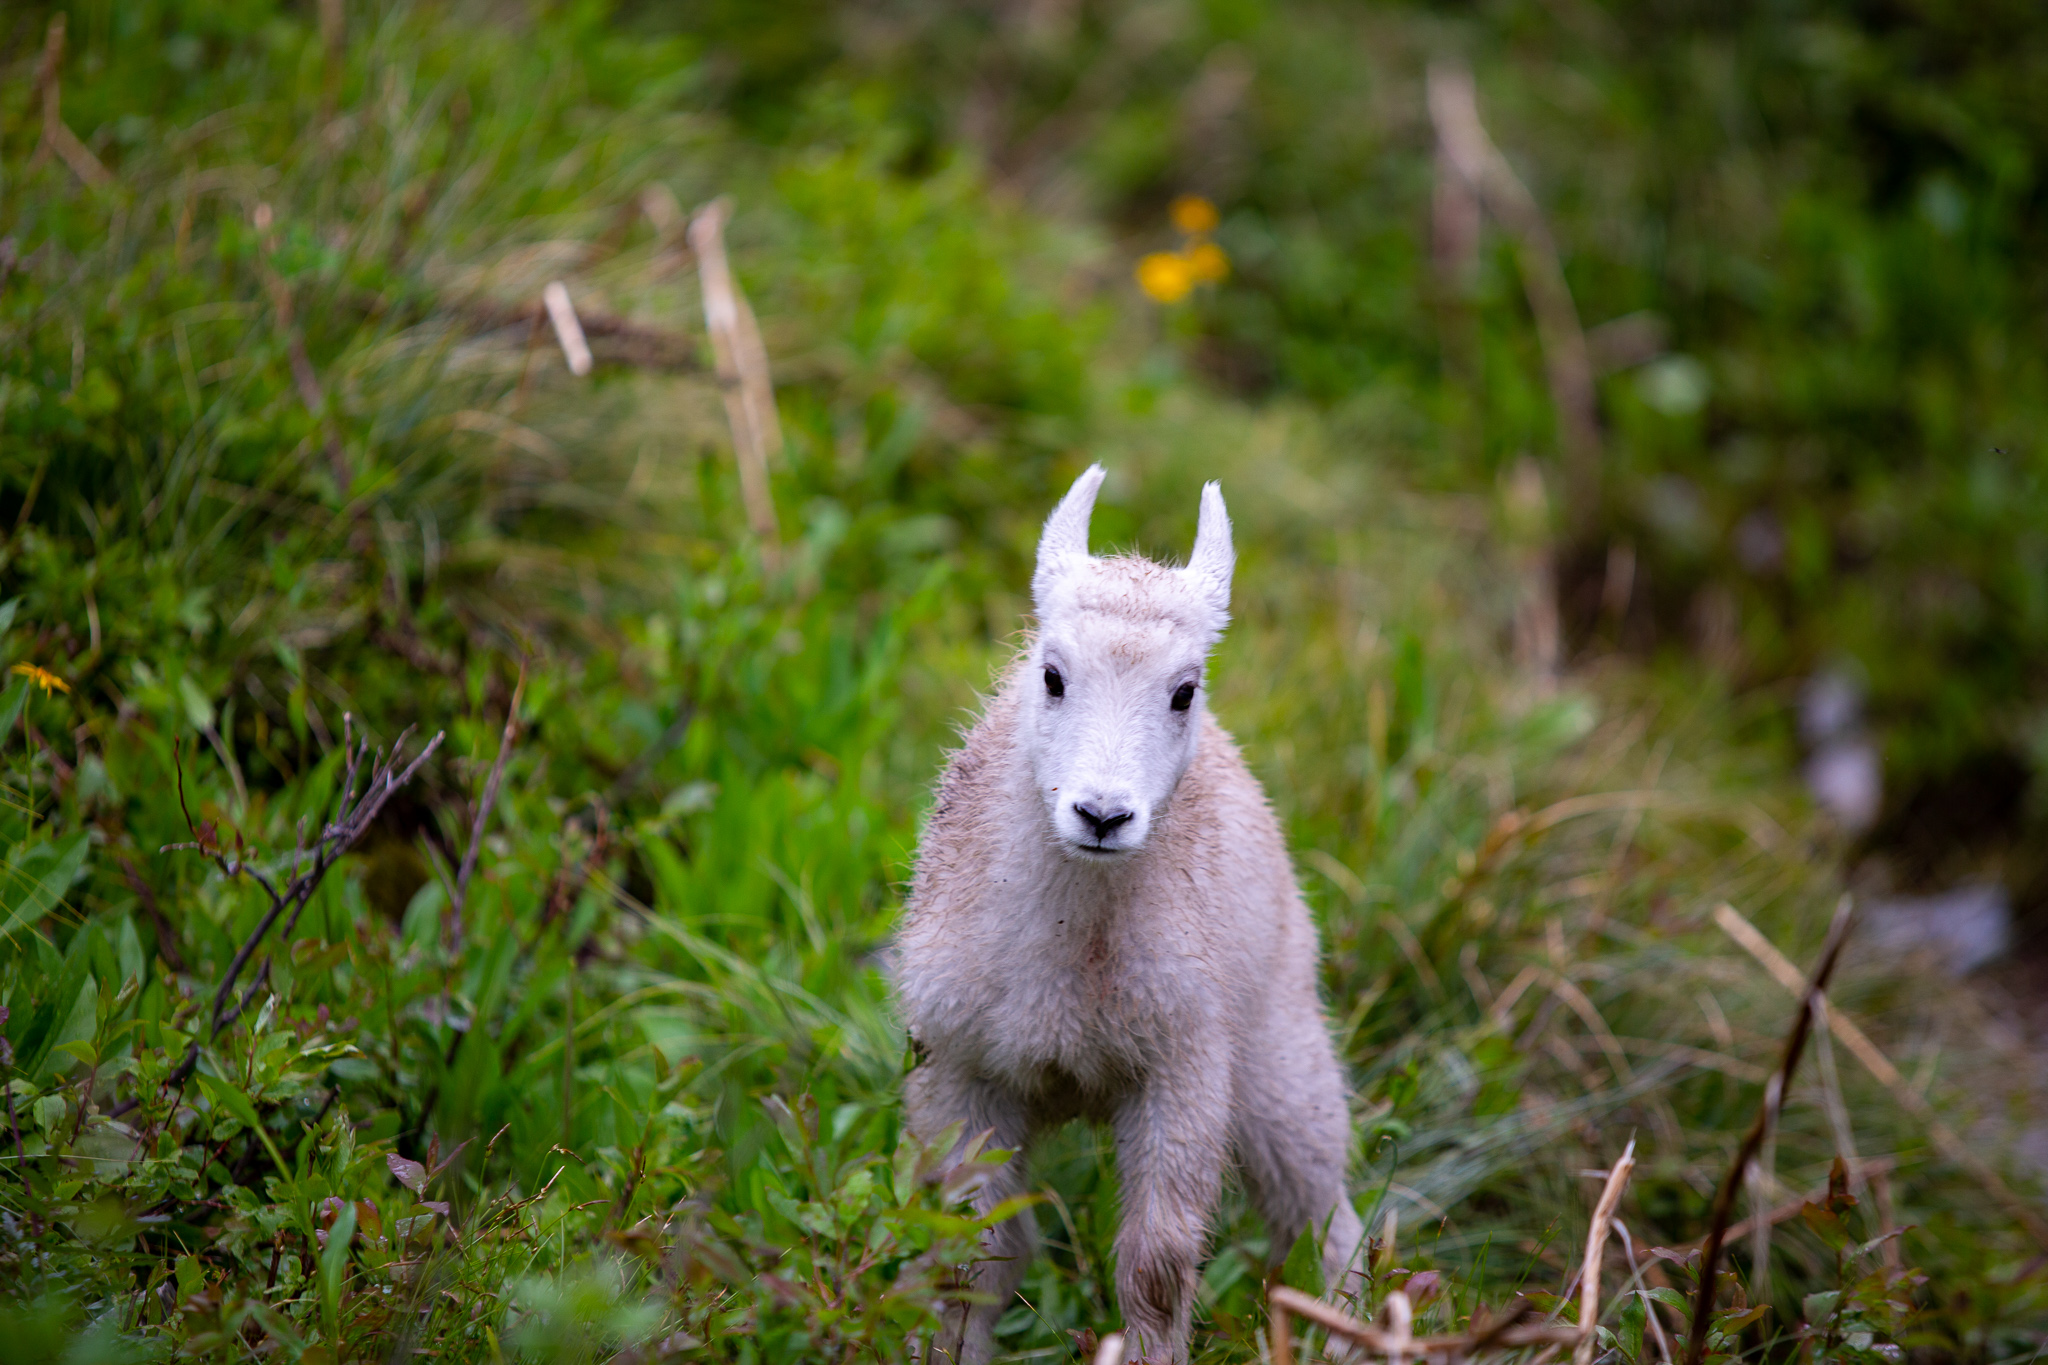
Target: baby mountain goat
(1104, 925)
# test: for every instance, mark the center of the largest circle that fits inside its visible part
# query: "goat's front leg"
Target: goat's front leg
(1171, 1142)
(935, 1097)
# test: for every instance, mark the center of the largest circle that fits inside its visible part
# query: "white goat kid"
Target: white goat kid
(1104, 925)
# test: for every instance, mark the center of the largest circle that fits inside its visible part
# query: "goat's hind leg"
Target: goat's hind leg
(934, 1100)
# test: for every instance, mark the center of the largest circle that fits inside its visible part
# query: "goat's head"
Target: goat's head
(1115, 701)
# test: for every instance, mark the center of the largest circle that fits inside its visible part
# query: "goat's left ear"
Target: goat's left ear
(1064, 543)
(1211, 564)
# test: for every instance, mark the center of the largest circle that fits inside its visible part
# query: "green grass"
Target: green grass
(647, 1101)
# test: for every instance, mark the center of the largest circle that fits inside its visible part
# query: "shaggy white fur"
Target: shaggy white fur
(1104, 925)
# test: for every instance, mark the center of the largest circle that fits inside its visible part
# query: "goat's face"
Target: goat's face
(1114, 702)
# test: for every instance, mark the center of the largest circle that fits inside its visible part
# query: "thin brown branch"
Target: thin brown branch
(1946, 1140)
(333, 54)
(1280, 1329)
(145, 895)
(561, 312)
(1283, 1300)
(1470, 153)
(460, 898)
(1766, 1116)
(354, 814)
(57, 135)
(612, 340)
(742, 370)
(1596, 1245)
(1875, 1169)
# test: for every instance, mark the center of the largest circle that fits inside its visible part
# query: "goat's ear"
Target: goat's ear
(1211, 564)
(1064, 542)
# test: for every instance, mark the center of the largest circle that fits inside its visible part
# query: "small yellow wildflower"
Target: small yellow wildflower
(1207, 262)
(40, 677)
(1193, 214)
(1165, 276)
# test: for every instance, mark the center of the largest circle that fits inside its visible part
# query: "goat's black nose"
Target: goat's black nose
(1102, 822)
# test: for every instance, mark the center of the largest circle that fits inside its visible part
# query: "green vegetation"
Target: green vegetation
(286, 456)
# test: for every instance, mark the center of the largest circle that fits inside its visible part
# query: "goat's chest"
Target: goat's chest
(1065, 998)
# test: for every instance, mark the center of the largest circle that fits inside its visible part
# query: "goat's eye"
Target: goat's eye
(1183, 696)
(1055, 686)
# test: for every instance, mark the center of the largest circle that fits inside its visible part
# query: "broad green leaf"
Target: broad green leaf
(11, 703)
(229, 1097)
(80, 1024)
(333, 1267)
(1303, 1268)
(48, 888)
(198, 707)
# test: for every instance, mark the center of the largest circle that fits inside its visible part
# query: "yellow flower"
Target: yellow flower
(40, 677)
(1165, 276)
(1193, 214)
(1207, 263)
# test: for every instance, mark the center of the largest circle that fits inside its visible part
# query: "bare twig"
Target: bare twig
(1489, 1333)
(460, 898)
(305, 378)
(1838, 1109)
(612, 339)
(1466, 150)
(1876, 1169)
(354, 813)
(57, 136)
(1946, 1139)
(333, 53)
(742, 369)
(568, 329)
(1596, 1245)
(166, 939)
(1280, 1328)
(1336, 1321)
(1766, 1115)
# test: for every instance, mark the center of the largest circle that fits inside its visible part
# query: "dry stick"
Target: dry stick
(1881, 1193)
(457, 901)
(145, 895)
(1400, 1326)
(1759, 1176)
(1838, 1109)
(1280, 1320)
(568, 330)
(1946, 1140)
(1724, 1198)
(742, 370)
(331, 55)
(1596, 1244)
(353, 814)
(1491, 1331)
(1283, 1300)
(305, 378)
(57, 136)
(1877, 1168)
(1466, 148)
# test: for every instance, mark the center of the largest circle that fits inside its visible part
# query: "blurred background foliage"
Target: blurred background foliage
(286, 451)
(1808, 235)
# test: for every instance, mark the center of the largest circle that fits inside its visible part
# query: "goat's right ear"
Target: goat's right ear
(1064, 543)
